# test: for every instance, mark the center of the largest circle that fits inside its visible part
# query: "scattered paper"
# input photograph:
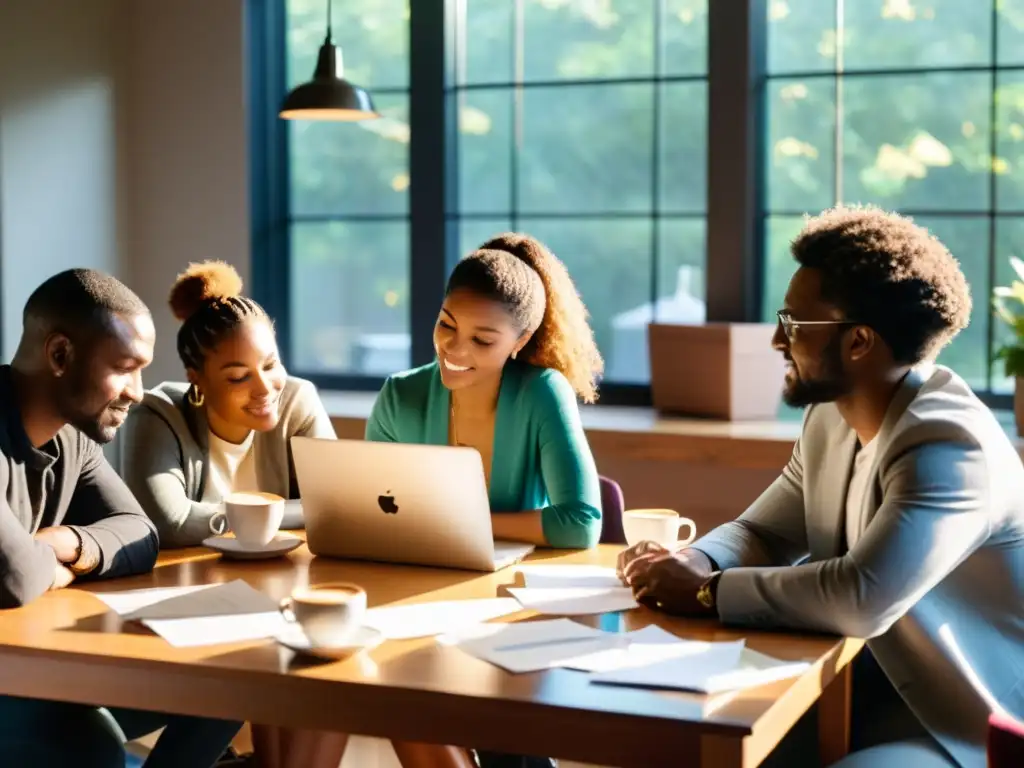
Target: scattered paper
(575, 601)
(235, 598)
(211, 630)
(402, 622)
(531, 645)
(721, 667)
(124, 603)
(643, 646)
(568, 576)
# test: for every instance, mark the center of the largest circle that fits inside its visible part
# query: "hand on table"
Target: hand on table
(62, 577)
(63, 541)
(666, 580)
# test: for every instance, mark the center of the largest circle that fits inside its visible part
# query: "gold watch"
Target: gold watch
(705, 595)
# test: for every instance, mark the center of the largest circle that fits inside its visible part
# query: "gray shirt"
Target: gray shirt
(67, 481)
(166, 456)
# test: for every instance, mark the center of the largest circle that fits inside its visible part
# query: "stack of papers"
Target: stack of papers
(203, 615)
(646, 658)
(572, 590)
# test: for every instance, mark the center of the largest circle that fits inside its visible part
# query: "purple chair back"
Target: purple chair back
(612, 506)
(1005, 742)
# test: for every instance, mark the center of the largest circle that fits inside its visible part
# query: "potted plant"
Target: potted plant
(1009, 305)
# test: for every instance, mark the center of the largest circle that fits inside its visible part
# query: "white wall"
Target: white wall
(58, 149)
(185, 144)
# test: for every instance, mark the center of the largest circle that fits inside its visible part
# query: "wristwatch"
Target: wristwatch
(707, 591)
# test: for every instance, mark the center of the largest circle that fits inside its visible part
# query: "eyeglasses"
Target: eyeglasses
(789, 325)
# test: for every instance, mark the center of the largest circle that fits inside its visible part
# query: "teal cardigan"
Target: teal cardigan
(541, 456)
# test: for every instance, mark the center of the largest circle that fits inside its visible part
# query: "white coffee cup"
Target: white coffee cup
(254, 517)
(329, 614)
(658, 525)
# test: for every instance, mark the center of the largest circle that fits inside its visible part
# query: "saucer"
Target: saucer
(362, 639)
(230, 547)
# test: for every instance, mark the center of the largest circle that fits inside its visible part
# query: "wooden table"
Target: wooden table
(68, 646)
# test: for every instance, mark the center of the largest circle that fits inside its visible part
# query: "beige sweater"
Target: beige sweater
(166, 456)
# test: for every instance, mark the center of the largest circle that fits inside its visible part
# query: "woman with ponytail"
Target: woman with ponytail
(514, 352)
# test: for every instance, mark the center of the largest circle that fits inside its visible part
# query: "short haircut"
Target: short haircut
(80, 300)
(890, 274)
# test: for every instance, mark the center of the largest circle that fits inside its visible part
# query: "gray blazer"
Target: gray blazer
(934, 577)
(166, 454)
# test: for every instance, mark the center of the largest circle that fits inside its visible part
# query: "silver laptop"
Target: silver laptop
(400, 503)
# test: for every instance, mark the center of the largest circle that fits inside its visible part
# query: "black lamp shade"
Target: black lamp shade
(328, 96)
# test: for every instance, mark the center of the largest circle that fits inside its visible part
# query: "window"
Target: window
(348, 281)
(907, 104)
(581, 123)
(584, 125)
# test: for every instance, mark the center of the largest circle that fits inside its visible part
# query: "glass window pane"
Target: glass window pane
(681, 286)
(350, 297)
(779, 264)
(475, 232)
(1010, 19)
(352, 168)
(610, 262)
(485, 150)
(683, 171)
(1009, 242)
(486, 32)
(967, 238)
(684, 34)
(918, 142)
(1008, 164)
(801, 36)
(882, 34)
(800, 152)
(587, 40)
(373, 36)
(586, 149)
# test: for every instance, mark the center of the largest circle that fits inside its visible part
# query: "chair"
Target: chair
(613, 505)
(1005, 742)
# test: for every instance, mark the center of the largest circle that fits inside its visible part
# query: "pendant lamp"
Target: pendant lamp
(328, 96)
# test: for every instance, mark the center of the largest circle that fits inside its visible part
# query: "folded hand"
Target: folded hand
(669, 581)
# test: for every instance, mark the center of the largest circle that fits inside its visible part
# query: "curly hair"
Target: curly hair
(535, 286)
(207, 298)
(883, 270)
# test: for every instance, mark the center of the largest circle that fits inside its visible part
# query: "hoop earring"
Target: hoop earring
(195, 397)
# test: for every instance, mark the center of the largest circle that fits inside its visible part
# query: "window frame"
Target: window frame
(737, 91)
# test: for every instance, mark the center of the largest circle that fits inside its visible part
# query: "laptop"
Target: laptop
(399, 503)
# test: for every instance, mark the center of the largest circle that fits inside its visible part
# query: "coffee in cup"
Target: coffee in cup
(254, 517)
(329, 614)
(658, 525)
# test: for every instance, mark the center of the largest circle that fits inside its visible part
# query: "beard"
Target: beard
(830, 385)
(97, 422)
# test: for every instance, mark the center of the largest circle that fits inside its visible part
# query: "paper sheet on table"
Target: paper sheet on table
(567, 576)
(724, 667)
(531, 645)
(641, 647)
(401, 622)
(124, 603)
(575, 601)
(211, 630)
(235, 598)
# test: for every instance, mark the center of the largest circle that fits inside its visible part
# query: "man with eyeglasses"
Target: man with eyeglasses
(899, 517)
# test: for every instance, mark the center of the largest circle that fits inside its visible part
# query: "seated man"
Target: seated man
(900, 516)
(66, 515)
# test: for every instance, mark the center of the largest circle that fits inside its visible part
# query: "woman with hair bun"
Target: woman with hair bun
(228, 429)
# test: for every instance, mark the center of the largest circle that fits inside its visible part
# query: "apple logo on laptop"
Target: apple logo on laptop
(387, 504)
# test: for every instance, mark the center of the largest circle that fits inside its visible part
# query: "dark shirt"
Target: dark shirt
(67, 481)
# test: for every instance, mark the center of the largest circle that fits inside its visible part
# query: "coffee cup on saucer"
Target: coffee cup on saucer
(253, 516)
(658, 525)
(329, 614)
